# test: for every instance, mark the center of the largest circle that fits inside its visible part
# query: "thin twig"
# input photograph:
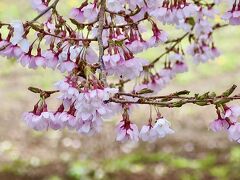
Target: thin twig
(177, 41)
(125, 25)
(177, 99)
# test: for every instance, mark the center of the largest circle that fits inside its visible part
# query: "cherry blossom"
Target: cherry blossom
(162, 127)
(234, 132)
(232, 112)
(39, 118)
(115, 6)
(17, 38)
(127, 131)
(98, 50)
(233, 16)
(68, 90)
(126, 68)
(77, 15)
(90, 104)
(219, 125)
(39, 5)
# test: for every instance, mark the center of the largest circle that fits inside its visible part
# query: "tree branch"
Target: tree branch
(177, 41)
(177, 99)
(101, 18)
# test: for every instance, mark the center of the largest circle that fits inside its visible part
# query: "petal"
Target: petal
(121, 135)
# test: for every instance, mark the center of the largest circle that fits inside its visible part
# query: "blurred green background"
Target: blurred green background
(192, 153)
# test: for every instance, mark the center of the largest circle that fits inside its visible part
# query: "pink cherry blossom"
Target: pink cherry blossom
(233, 16)
(39, 118)
(39, 5)
(179, 66)
(162, 127)
(57, 122)
(147, 133)
(40, 61)
(10, 51)
(127, 131)
(66, 66)
(126, 68)
(18, 39)
(98, 49)
(234, 132)
(232, 112)
(37, 122)
(77, 14)
(114, 5)
(90, 12)
(50, 58)
(90, 126)
(90, 104)
(68, 90)
(219, 125)
(159, 36)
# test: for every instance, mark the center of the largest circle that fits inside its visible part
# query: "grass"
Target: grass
(186, 168)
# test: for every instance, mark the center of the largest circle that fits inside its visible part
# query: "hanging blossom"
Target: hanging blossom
(83, 109)
(174, 65)
(126, 130)
(228, 121)
(39, 118)
(87, 12)
(91, 109)
(39, 5)
(203, 49)
(121, 62)
(175, 12)
(98, 51)
(160, 129)
(233, 15)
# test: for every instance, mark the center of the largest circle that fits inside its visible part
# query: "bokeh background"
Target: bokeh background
(192, 153)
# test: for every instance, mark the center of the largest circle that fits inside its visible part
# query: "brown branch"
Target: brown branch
(125, 25)
(159, 103)
(122, 13)
(40, 30)
(42, 93)
(177, 41)
(177, 99)
(101, 19)
(69, 38)
(4, 24)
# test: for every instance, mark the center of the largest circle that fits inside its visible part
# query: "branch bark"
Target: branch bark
(101, 19)
(177, 99)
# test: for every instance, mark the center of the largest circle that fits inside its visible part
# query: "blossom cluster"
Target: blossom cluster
(228, 120)
(82, 108)
(97, 48)
(126, 130)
